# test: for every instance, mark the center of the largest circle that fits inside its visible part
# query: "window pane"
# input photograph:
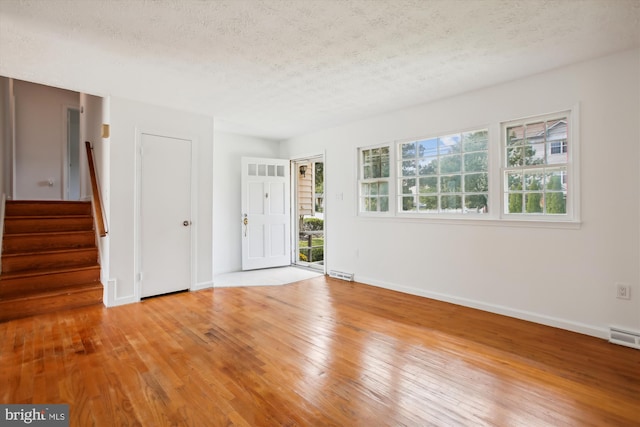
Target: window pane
(407, 203)
(449, 144)
(366, 172)
(476, 162)
(280, 170)
(556, 194)
(428, 148)
(556, 202)
(476, 203)
(384, 168)
(366, 156)
(555, 179)
(376, 168)
(408, 186)
(428, 166)
(365, 189)
(534, 154)
(409, 168)
(533, 202)
(429, 203)
(513, 203)
(428, 184)
(383, 188)
(373, 189)
(384, 204)
(373, 204)
(252, 169)
(513, 181)
(262, 170)
(515, 136)
(451, 203)
(408, 150)
(557, 152)
(534, 181)
(514, 156)
(450, 184)
(476, 182)
(450, 164)
(557, 129)
(475, 141)
(535, 132)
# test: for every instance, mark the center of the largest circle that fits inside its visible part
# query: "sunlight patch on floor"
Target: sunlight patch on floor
(265, 277)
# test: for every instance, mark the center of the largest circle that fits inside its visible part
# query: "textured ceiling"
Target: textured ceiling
(277, 69)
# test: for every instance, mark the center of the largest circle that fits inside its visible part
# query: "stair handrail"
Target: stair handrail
(95, 189)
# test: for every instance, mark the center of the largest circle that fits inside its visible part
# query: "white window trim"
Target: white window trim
(360, 180)
(495, 216)
(573, 192)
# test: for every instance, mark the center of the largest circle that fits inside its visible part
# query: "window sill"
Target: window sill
(475, 221)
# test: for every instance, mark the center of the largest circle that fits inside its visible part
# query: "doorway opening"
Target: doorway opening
(309, 228)
(73, 155)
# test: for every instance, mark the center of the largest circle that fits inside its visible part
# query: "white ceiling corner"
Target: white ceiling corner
(280, 68)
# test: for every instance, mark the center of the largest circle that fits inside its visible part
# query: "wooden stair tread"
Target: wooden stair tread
(63, 290)
(35, 273)
(16, 243)
(51, 233)
(39, 217)
(48, 252)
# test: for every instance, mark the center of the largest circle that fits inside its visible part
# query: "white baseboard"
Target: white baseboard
(494, 308)
(202, 285)
(111, 300)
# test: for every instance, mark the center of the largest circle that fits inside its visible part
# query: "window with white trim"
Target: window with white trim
(375, 174)
(535, 166)
(527, 172)
(444, 174)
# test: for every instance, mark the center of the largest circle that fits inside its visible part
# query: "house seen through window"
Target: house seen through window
(535, 167)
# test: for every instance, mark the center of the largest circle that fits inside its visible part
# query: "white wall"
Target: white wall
(40, 139)
(5, 148)
(560, 277)
(93, 113)
(5, 137)
(227, 216)
(90, 130)
(128, 119)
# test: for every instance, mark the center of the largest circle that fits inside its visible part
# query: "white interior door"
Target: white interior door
(165, 215)
(266, 233)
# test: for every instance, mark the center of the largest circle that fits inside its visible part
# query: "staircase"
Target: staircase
(49, 258)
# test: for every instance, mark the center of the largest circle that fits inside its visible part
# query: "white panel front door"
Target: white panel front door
(265, 213)
(165, 215)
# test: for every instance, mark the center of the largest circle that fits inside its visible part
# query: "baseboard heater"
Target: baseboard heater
(341, 275)
(624, 337)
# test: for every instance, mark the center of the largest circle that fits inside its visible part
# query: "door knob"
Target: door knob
(186, 223)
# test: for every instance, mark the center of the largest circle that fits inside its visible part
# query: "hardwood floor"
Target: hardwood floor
(314, 353)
